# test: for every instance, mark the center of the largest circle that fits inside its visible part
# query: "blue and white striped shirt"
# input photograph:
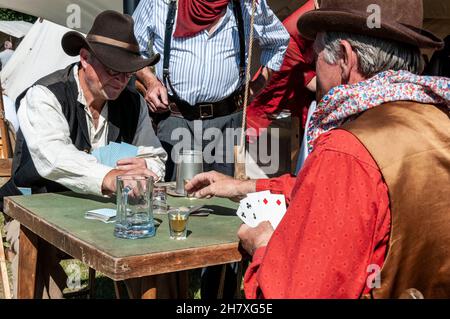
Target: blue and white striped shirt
(205, 67)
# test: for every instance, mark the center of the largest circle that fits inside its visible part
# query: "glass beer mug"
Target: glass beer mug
(134, 207)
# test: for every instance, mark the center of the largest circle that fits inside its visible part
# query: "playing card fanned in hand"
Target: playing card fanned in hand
(262, 206)
(113, 154)
(127, 151)
(96, 154)
(109, 155)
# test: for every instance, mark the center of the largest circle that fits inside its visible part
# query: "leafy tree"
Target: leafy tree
(11, 15)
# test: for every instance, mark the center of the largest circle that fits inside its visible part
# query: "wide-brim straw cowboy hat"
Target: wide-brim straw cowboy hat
(112, 41)
(399, 20)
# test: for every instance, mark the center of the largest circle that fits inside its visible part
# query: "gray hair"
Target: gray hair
(375, 55)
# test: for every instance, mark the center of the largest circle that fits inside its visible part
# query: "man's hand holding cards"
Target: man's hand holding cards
(112, 153)
(262, 206)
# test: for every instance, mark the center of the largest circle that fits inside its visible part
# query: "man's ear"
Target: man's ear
(84, 57)
(348, 62)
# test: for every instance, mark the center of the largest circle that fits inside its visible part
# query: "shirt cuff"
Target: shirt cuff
(262, 185)
(98, 175)
(155, 168)
(272, 59)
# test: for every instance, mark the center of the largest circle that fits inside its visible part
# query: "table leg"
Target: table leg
(238, 294)
(28, 253)
(117, 289)
(92, 283)
(183, 284)
(4, 270)
(223, 273)
(51, 279)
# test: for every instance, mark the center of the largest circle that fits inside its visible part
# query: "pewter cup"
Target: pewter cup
(189, 164)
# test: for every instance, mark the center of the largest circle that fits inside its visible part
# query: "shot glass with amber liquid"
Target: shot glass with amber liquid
(178, 220)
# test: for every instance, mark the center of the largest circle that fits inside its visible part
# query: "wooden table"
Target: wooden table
(59, 220)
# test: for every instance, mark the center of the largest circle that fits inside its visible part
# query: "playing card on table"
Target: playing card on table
(106, 215)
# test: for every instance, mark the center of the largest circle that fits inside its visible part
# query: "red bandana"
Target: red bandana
(195, 16)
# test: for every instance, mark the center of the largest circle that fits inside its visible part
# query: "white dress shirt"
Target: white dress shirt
(56, 158)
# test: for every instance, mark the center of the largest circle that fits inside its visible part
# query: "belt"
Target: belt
(203, 111)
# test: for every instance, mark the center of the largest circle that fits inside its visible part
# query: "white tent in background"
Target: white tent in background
(39, 54)
(60, 11)
(17, 29)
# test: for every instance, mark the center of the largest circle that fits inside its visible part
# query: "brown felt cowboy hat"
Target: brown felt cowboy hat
(111, 39)
(400, 20)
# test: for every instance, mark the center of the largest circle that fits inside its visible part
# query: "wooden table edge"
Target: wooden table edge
(120, 268)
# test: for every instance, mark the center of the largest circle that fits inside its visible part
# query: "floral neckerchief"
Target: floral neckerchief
(344, 102)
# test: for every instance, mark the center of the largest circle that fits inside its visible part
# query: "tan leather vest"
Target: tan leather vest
(410, 142)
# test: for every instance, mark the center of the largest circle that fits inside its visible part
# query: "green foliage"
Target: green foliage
(11, 15)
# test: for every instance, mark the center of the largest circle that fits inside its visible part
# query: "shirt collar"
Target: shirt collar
(81, 99)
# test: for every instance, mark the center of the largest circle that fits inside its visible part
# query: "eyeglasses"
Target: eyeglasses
(111, 72)
(114, 74)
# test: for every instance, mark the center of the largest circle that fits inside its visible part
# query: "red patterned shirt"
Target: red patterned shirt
(335, 230)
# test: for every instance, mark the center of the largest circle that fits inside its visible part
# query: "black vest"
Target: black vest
(123, 116)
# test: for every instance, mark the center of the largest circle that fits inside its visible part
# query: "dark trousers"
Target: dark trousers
(219, 147)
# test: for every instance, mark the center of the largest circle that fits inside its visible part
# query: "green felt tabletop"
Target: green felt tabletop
(65, 211)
